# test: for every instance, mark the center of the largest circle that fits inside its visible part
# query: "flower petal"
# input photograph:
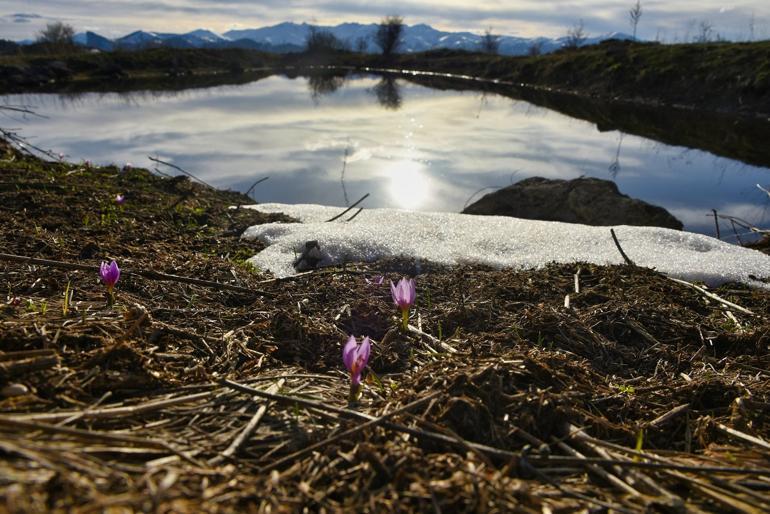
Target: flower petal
(349, 352)
(363, 351)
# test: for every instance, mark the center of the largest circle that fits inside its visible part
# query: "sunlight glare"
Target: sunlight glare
(408, 186)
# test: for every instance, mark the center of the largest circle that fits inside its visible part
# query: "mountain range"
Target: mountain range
(290, 37)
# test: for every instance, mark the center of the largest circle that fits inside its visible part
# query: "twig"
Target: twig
(716, 222)
(255, 184)
(249, 429)
(155, 275)
(743, 224)
(444, 346)
(180, 169)
(342, 174)
(24, 354)
(23, 144)
(660, 462)
(25, 110)
(92, 435)
(712, 296)
(669, 415)
(735, 231)
(617, 482)
(356, 214)
(293, 400)
(631, 475)
(14, 368)
(347, 433)
(746, 437)
(527, 462)
(108, 412)
(620, 249)
(348, 209)
(157, 170)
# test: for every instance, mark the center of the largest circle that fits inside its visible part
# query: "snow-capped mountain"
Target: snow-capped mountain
(200, 38)
(207, 36)
(94, 40)
(291, 37)
(415, 38)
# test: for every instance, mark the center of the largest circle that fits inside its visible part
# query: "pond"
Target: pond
(331, 139)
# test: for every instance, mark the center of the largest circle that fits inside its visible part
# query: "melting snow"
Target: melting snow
(449, 238)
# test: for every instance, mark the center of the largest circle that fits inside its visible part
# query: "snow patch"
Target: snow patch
(448, 238)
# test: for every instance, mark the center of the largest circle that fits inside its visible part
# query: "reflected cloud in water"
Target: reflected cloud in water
(409, 146)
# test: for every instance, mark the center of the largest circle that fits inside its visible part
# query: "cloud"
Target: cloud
(23, 17)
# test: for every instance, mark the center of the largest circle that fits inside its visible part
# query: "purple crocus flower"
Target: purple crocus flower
(355, 356)
(109, 273)
(404, 295)
(119, 199)
(375, 280)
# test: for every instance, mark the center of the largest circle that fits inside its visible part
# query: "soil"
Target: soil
(642, 395)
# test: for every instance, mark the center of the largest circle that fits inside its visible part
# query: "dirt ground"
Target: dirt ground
(231, 396)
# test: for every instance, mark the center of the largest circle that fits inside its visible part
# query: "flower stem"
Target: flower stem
(405, 319)
(355, 393)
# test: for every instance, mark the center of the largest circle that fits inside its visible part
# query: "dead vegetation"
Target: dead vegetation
(642, 395)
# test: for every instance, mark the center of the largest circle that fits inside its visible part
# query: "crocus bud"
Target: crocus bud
(404, 295)
(109, 273)
(355, 356)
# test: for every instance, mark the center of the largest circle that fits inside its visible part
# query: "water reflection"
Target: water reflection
(324, 82)
(388, 93)
(409, 185)
(614, 167)
(408, 145)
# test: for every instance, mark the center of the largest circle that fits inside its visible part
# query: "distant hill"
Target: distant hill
(290, 37)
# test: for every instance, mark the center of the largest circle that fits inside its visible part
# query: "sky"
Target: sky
(668, 21)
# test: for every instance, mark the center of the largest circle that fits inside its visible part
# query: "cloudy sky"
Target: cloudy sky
(665, 20)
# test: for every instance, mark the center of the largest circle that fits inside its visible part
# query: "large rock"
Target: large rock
(590, 201)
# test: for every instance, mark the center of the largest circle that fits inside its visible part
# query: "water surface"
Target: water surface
(331, 140)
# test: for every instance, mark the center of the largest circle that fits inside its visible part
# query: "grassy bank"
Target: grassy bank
(126, 407)
(731, 77)
(113, 70)
(714, 76)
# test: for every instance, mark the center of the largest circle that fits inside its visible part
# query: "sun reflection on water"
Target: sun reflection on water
(409, 185)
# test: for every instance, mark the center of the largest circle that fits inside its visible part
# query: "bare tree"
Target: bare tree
(535, 48)
(752, 22)
(322, 41)
(490, 43)
(388, 35)
(576, 35)
(361, 45)
(705, 32)
(57, 33)
(635, 15)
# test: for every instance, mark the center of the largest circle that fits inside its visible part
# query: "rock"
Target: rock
(12, 390)
(309, 258)
(590, 201)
